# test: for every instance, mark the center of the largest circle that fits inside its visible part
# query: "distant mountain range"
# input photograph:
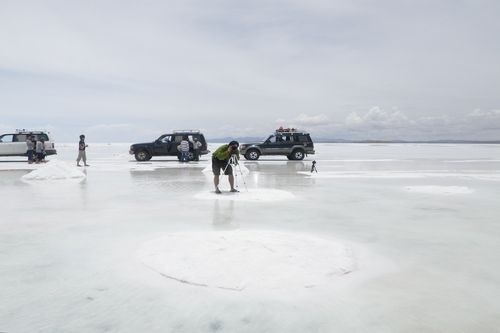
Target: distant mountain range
(331, 140)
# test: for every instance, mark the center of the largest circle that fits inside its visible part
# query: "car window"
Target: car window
(178, 138)
(303, 138)
(19, 138)
(41, 136)
(7, 138)
(165, 139)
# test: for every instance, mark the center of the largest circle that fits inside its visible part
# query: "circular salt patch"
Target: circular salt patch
(238, 260)
(445, 190)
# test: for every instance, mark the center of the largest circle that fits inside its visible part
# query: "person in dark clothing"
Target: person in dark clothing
(81, 151)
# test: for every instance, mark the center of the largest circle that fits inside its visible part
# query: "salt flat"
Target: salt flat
(384, 238)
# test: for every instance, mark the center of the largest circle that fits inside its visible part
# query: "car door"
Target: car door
(19, 146)
(271, 146)
(176, 140)
(161, 146)
(6, 144)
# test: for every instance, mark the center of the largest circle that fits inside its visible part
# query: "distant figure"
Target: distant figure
(221, 161)
(40, 151)
(196, 149)
(184, 149)
(81, 151)
(30, 146)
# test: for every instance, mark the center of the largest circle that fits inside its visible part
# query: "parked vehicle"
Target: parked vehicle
(14, 144)
(166, 145)
(290, 142)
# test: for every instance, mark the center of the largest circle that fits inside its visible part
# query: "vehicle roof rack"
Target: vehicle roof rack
(194, 131)
(25, 131)
(289, 130)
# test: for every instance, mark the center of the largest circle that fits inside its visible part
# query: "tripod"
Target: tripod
(313, 167)
(233, 161)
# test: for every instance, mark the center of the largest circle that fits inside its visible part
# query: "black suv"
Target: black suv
(166, 145)
(290, 142)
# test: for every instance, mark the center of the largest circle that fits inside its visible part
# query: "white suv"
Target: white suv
(14, 144)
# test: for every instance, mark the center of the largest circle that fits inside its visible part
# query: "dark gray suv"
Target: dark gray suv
(292, 143)
(166, 145)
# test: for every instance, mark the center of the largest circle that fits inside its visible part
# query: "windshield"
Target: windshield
(268, 138)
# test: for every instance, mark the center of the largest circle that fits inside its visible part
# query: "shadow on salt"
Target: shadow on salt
(55, 171)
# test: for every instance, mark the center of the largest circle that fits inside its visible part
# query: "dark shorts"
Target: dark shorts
(218, 165)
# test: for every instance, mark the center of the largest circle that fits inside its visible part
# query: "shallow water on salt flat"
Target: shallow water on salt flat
(417, 225)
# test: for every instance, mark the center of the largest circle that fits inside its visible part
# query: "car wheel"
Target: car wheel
(298, 154)
(290, 157)
(142, 156)
(252, 154)
(191, 156)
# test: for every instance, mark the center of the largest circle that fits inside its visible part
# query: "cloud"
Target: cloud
(377, 118)
(305, 121)
(194, 62)
(377, 123)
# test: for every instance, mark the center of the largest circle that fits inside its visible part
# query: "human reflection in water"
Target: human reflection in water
(223, 215)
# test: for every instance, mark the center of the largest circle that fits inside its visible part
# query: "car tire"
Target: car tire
(142, 155)
(252, 155)
(298, 155)
(191, 156)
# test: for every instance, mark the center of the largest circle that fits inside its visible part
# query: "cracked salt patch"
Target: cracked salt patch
(442, 190)
(250, 195)
(249, 260)
(55, 170)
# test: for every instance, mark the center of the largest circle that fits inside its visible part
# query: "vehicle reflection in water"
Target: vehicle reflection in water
(272, 166)
(180, 179)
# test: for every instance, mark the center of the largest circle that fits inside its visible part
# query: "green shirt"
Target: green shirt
(222, 154)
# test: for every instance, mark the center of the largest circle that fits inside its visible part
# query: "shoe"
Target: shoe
(217, 191)
(78, 165)
(87, 165)
(234, 190)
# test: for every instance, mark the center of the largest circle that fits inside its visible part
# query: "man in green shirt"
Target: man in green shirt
(220, 161)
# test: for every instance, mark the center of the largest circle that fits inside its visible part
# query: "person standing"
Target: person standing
(196, 149)
(220, 161)
(81, 151)
(40, 150)
(30, 146)
(184, 149)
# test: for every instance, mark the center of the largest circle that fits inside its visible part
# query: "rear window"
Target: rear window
(304, 138)
(41, 136)
(20, 137)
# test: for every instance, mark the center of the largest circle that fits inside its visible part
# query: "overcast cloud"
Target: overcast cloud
(131, 70)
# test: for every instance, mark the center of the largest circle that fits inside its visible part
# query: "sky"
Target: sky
(123, 71)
